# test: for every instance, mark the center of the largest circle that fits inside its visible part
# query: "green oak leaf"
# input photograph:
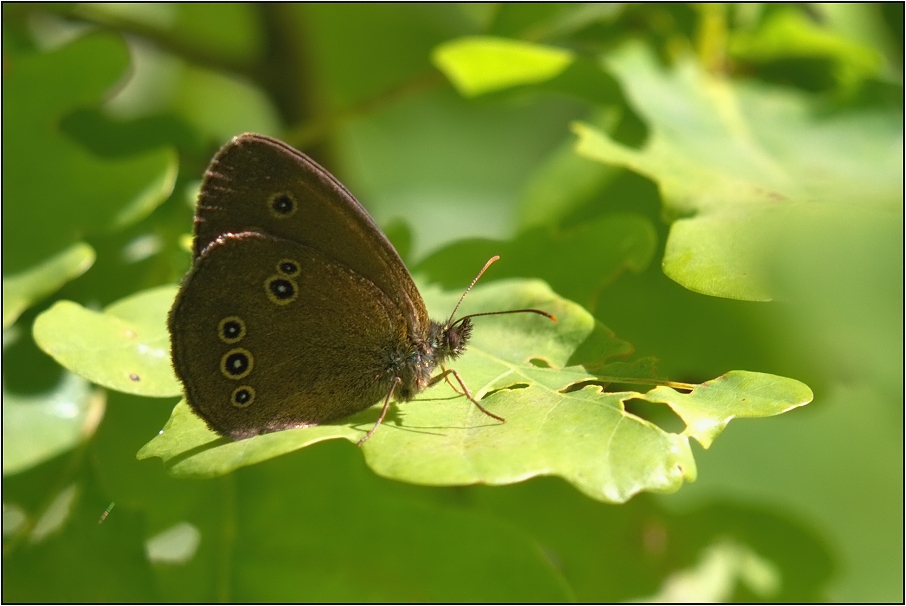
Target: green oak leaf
(559, 421)
(708, 407)
(742, 166)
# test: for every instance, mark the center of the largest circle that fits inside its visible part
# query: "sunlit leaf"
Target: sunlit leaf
(517, 365)
(56, 515)
(175, 545)
(481, 64)
(722, 566)
(126, 347)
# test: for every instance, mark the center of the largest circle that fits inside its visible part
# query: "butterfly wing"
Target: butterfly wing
(255, 183)
(261, 336)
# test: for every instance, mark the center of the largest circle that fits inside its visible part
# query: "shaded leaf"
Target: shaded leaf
(578, 262)
(734, 162)
(22, 290)
(38, 428)
(592, 542)
(564, 181)
(563, 19)
(228, 31)
(789, 33)
(220, 106)
(382, 545)
(126, 347)
(54, 190)
(81, 562)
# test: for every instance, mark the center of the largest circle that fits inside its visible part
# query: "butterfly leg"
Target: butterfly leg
(446, 376)
(396, 381)
(465, 390)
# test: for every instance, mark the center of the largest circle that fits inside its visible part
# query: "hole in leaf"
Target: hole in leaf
(540, 363)
(693, 379)
(513, 386)
(582, 385)
(659, 414)
(606, 386)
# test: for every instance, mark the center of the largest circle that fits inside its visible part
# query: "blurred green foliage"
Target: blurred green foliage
(760, 137)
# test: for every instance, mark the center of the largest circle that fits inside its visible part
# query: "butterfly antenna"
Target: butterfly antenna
(483, 269)
(509, 311)
(491, 313)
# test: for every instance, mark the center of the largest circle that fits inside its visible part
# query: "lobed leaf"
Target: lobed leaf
(708, 407)
(559, 421)
(734, 162)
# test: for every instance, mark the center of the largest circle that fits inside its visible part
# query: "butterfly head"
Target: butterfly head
(448, 340)
(453, 339)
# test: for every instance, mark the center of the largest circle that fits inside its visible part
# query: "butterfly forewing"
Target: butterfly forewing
(257, 184)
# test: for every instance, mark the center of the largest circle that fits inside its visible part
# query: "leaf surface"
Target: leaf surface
(126, 347)
(37, 428)
(57, 190)
(559, 421)
(24, 289)
(481, 64)
(737, 162)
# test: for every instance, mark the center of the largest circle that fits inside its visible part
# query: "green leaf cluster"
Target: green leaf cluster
(755, 151)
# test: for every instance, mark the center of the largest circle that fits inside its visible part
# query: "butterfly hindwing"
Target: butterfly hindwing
(255, 341)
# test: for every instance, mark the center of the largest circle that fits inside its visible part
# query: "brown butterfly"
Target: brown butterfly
(297, 309)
